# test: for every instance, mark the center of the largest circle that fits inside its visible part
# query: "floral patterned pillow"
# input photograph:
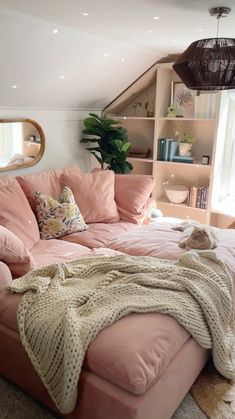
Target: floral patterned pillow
(55, 219)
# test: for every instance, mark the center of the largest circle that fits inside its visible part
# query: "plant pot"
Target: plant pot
(185, 149)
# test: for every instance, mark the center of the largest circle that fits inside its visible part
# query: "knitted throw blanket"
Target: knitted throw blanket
(66, 305)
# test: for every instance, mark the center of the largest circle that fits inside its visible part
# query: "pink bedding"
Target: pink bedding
(98, 234)
(46, 252)
(160, 241)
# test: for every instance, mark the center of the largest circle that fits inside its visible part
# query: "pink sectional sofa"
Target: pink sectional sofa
(143, 365)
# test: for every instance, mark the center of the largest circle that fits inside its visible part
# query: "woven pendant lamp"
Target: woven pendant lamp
(209, 64)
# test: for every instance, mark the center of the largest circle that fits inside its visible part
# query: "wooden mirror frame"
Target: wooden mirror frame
(42, 148)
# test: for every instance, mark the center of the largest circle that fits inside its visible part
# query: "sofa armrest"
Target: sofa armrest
(5, 276)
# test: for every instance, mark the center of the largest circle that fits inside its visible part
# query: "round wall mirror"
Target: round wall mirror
(22, 143)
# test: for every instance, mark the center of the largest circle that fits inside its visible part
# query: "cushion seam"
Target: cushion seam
(23, 258)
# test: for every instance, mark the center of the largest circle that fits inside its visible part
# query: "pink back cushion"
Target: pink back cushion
(5, 276)
(94, 194)
(16, 214)
(45, 182)
(14, 253)
(131, 195)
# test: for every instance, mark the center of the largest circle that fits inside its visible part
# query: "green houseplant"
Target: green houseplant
(112, 146)
(185, 140)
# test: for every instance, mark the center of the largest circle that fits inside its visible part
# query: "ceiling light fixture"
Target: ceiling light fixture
(14, 86)
(85, 14)
(123, 59)
(209, 64)
(62, 77)
(156, 17)
(106, 55)
(55, 31)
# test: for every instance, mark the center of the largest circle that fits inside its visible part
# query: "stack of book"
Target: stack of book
(168, 148)
(198, 196)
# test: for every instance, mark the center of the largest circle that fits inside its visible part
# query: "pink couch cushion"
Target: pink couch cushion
(134, 351)
(16, 214)
(94, 194)
(131, 195)
(99, 234)
(46, 182)
(46, 252)
(5, 276)
(14, 253)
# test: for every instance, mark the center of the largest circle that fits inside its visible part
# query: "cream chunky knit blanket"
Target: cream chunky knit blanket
(66, 305)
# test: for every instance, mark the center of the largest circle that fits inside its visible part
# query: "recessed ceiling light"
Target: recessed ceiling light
(151, 31)
(123, 59)
(85, 14)
(174, 40)
(156, 17)
(62, 77)
(55, 31)
(200, 30)
(106, 55)
(14, 86)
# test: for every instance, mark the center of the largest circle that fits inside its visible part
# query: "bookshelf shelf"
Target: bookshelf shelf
(164, 201)
(178, 120)
(184, 211)
(194, 165)
(133, 117)
(147, 160)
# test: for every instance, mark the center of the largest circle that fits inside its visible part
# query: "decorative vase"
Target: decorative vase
(185, 149)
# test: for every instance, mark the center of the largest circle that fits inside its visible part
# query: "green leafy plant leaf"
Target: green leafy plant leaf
(112, 142)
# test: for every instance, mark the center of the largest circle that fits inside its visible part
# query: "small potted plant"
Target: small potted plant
(185, 140)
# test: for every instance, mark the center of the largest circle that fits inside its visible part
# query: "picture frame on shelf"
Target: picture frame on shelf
(182, 99)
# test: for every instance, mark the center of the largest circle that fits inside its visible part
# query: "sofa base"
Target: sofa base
(99, 399)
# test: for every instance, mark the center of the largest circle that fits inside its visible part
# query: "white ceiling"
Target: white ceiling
(33, 58)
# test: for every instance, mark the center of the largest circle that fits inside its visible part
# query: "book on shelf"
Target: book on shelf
(167, 149)
(198, 197)
(204, 198)
(193, 196)
(183, 159)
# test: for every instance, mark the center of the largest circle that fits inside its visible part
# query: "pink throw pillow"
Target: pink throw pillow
(47, 182)
(16, 214)
(5, 276)
(14, 253)
(94, 195)
(131, 195)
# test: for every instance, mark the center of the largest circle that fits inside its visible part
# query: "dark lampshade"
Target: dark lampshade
(208, 64)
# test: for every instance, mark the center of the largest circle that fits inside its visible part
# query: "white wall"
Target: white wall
(63, 130)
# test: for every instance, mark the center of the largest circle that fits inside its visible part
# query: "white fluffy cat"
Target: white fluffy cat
(196, 235)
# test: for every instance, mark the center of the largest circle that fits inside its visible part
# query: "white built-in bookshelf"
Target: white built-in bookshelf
(156, 86)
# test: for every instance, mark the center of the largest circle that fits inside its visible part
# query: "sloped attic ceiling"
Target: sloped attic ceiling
(92, 57)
